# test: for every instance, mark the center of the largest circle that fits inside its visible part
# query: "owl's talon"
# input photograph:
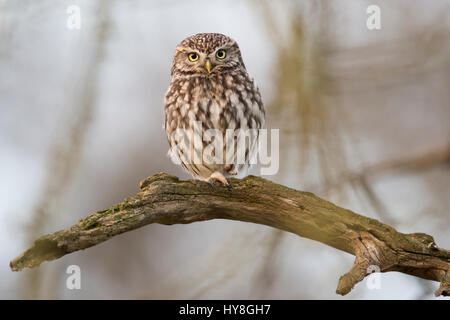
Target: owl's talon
(219, 176)
(210, 183)
(230, 169)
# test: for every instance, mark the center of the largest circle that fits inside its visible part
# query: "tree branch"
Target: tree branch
(166, 200)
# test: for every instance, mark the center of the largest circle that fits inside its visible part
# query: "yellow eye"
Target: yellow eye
(221, 54)
(193, 56)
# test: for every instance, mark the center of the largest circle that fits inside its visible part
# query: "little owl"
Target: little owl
(211, 92)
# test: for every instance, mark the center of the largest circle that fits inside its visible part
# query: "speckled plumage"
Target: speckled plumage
(222, 97)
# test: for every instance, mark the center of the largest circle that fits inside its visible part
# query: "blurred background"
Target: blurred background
(363, 118)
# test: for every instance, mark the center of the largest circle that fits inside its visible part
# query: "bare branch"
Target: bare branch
(425, 161)
(166, 200)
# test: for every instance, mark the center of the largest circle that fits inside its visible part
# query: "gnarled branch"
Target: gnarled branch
(167, 200)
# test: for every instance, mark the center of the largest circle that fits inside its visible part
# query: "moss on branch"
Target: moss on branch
(167, 200)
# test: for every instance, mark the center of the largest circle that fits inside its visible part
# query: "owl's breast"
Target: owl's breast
(222, 102)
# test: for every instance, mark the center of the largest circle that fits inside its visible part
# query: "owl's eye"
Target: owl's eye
(221, 54)
(193, 56)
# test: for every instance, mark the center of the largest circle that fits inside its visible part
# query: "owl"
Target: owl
(213, 110)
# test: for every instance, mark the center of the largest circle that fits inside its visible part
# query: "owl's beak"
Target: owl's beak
(208, 65)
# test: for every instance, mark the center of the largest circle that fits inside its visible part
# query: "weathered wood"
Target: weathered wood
(166, 200)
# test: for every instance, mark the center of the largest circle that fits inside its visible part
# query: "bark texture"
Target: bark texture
(167, 200)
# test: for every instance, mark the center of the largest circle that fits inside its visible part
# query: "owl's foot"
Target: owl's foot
(210, 182)
(219, 176)
(230, 169)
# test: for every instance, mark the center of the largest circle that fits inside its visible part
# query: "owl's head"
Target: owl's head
(206, 54)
